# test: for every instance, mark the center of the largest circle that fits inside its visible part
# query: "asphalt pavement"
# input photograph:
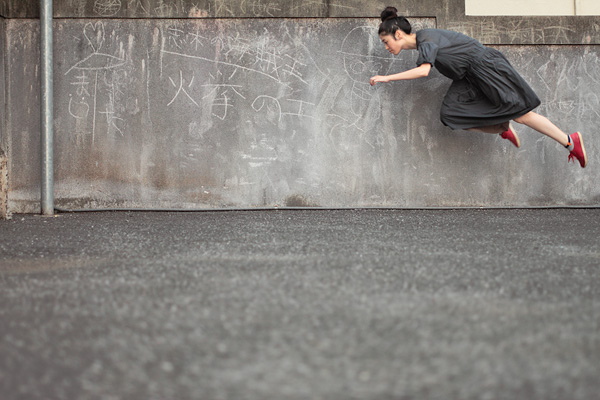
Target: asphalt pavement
(324, 304)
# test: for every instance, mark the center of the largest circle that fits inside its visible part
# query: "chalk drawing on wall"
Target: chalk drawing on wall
(95, 35)
(222, 84)
(309, 7)
(269, 89)
(263, 55)
(299, 108)
(153, 8)
(221, 100)
(98, 67)
(78, 107)
(556, 77)
(263, 72)
(260, 8)
(488, 31)
(107, 8)
(111, 118)
(270, 105)
(181, 89)
(360, 64)
(168, 8)
(139, 5)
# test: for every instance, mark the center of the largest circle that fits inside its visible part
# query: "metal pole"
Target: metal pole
(47, 106)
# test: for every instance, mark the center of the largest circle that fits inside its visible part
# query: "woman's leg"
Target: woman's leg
(503, 129)
(491, 129)
(543, 125)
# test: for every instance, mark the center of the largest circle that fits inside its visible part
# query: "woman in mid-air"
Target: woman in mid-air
(486, 92)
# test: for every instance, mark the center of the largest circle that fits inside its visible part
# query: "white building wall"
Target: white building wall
(588, 7)
(532, 7)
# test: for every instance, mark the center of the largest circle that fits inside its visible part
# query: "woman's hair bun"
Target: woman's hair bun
(389, 12)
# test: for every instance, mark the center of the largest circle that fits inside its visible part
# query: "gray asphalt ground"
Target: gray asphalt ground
(351, 304)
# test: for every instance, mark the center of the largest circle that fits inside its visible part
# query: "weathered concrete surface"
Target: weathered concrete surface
(198, 8)
(3, 103)
(171, 113)
(449, 14)
(3, 125)
(3, 8)
(20, 8)
(23, 110)
(3, 186)
(301, 305)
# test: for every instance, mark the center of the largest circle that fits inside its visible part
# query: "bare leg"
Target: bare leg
(491, 129)
(543, 125)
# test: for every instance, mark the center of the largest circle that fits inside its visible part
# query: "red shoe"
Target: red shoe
(578, 150)
(511, 135)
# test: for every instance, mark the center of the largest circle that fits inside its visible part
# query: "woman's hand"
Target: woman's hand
(420, 72)
(379, 78)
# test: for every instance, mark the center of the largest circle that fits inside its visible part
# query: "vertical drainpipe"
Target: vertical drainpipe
(47, 107)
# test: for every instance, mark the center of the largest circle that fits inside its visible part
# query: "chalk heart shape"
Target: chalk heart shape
(94, 33)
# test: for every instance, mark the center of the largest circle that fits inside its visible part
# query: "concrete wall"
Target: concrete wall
(449, 14)
(201, 112)
(2, 85)
(3, 127)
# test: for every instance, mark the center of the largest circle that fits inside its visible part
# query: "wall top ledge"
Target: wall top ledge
(449, 14)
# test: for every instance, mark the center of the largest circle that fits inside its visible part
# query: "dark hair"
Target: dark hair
(392, 22)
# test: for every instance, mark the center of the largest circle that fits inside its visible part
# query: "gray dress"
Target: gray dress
(486, 89)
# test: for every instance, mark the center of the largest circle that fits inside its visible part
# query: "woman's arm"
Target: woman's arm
(420, 72)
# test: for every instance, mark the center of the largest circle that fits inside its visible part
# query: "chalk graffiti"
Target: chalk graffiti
(299, 107)
(107, 8)
(137, 5)
(81, 84)
(514, 31)
(111, 118)
(197, 40)
(94, 33)
(271, 103)
(231, 59)
(180, 89)
(176, 37)
(78, 109)
(247, 107)
(97, 65)
(263, 55)
(260, 8)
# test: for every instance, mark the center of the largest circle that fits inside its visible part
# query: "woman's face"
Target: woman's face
(393, 43)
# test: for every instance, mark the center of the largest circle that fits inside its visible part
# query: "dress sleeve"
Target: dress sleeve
(427, 53)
